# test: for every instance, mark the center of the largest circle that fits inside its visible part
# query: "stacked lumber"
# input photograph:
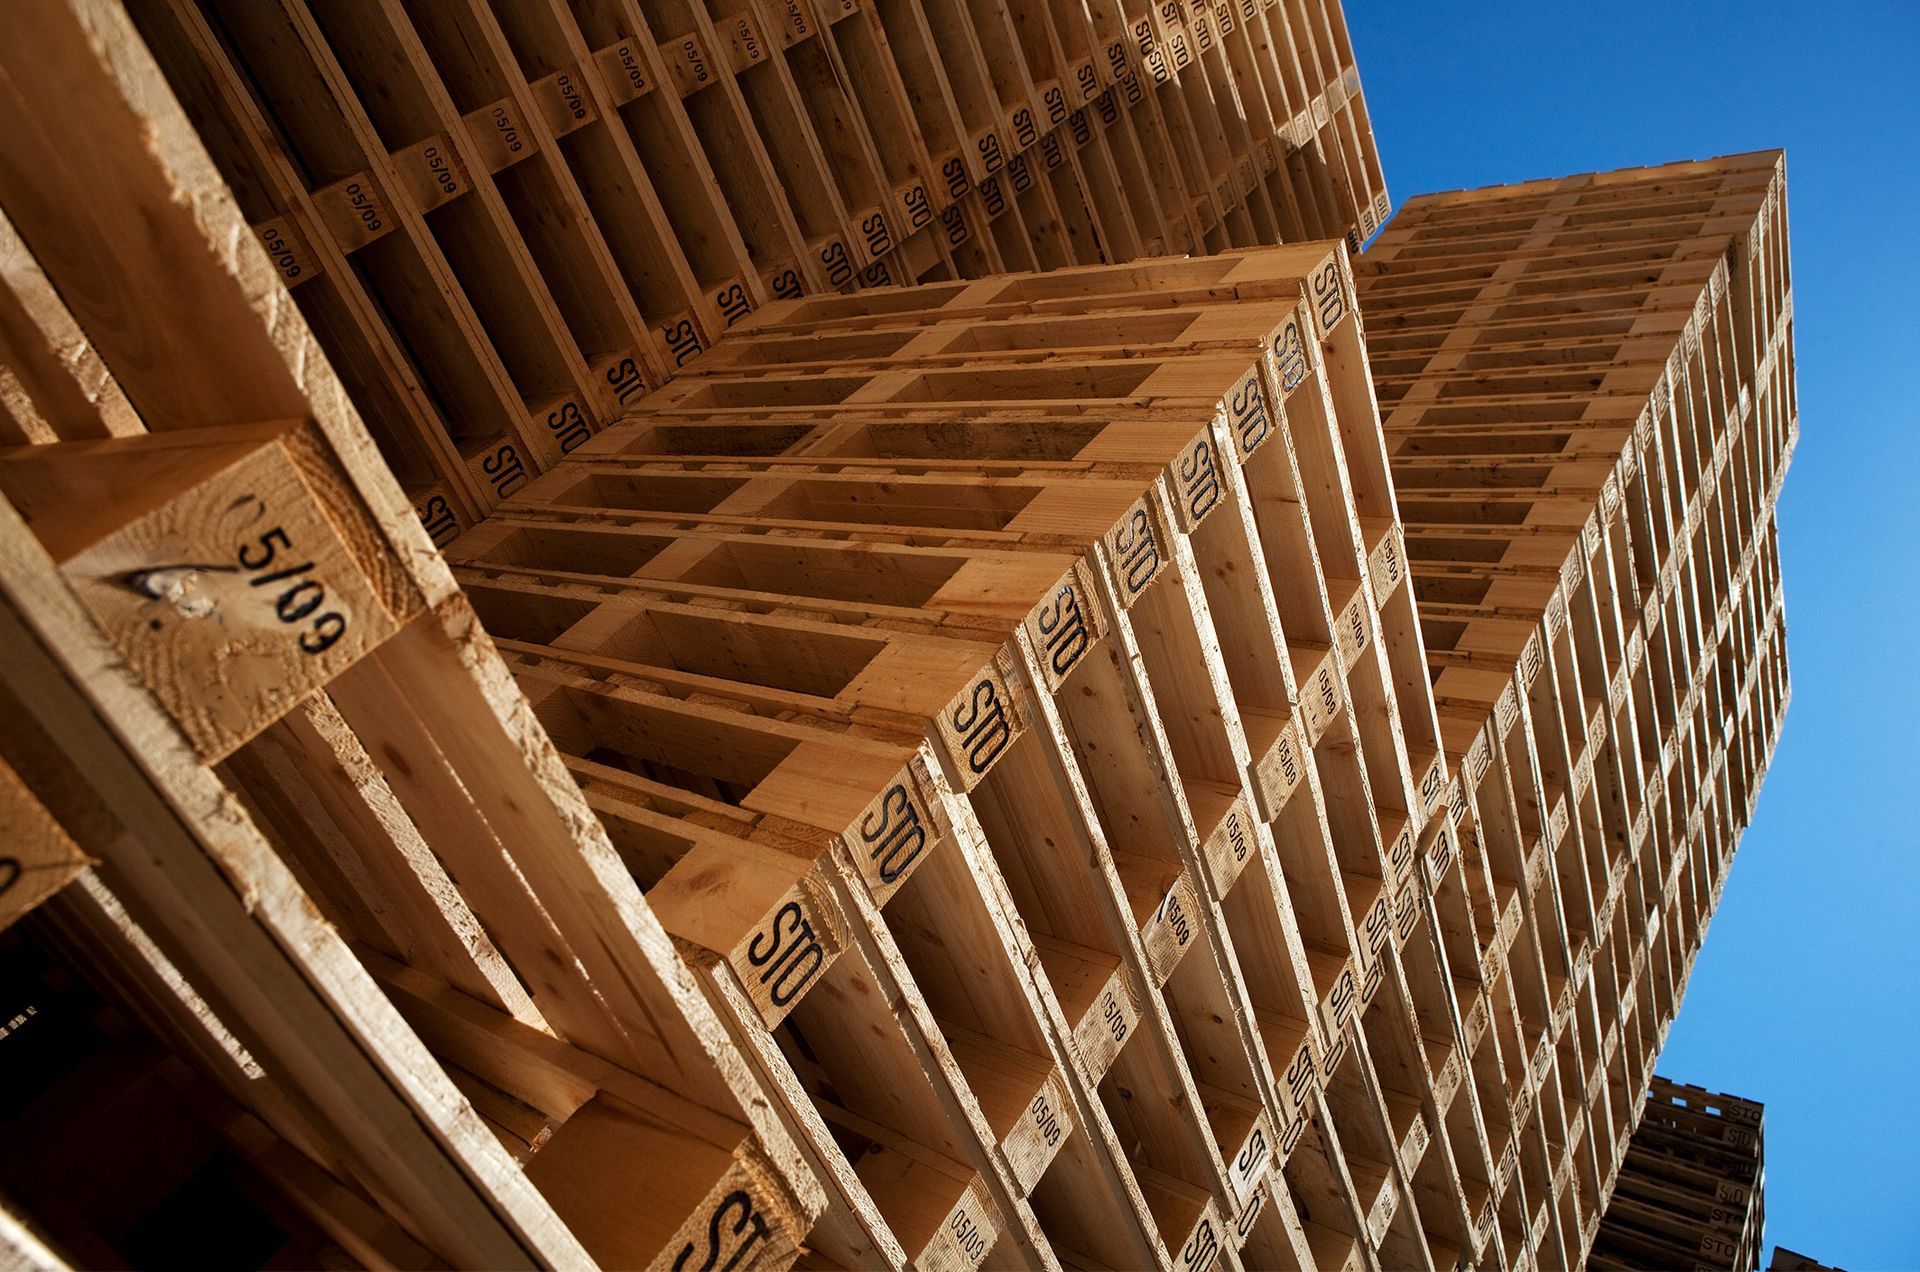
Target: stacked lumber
(506, 220)
(1691, 1190)
(983, 773)
(1030, 664)
(1587, 395)
(330, 861)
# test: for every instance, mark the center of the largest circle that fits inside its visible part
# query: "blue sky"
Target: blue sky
(1805, 993)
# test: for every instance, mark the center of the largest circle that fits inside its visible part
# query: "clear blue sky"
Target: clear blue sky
(1805, 993)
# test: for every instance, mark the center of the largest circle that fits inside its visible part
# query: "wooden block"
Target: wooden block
(836, 262)
(1386, 563)
(499, 134)
(1329, 301)
(680, 338)
(732, 299)
(738, 1219)
(747, 47)
(1065, 625)
(783, 281)
(1112, 1014)
(1229, 848)
(690, 65)
(563, 102)
(1318, 676)
(1023, 126)
(796, 22)
(1025, 1099)
(768, 913)
(1278, 772)
(1244, 1133)
(561, 422)
(431, 172)
(355, 211)
(498, 466)
(1084, 79)
(1134, 551)
(1353, 627)
(37, 857)
(217, 562)
(1437, 840)
(624, 375)
(287, 248)
(980, 724)
(914, 205)
(1170, 929)
(437, 516)
(872, 232)
(880, 273)
(954, 229)
(625, 70)
(1407, 917)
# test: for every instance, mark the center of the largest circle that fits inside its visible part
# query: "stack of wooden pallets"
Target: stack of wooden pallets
(336, 865)
(1029, 666)
(1586, 388)
(979, 774)
(507, 219)
(339, 865)
(1692, 1187)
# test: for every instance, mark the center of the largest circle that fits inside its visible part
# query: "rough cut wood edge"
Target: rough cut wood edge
(23, 1251)
(93, 404)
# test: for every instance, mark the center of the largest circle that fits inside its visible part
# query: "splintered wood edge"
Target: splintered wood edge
(65, 342)
(20, 1247)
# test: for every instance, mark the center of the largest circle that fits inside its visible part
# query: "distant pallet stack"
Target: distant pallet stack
(1051, 634)
(332, 864)
(1587, 393)
(1691, 1192)
(506, 220)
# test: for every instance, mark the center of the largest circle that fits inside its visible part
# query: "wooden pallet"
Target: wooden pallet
(1586, 392)
(507, 221)
(336, 864)
(961, 626)
(1690, 1189)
